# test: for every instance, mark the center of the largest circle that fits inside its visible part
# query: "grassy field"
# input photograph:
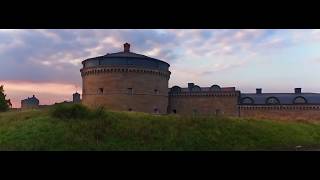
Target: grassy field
(45, 130)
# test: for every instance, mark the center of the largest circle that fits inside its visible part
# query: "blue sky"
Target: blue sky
(47, 62)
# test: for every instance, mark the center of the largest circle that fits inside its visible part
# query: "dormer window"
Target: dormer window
(247, 100)
(299, 100)
(272, 100)
(196, 89)
(175, 89)
(215, 88)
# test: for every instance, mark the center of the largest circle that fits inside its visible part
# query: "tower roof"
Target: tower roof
(126, 58)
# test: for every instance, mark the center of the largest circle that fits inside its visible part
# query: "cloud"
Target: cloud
(61, 51)
(208, 43)
(46, 55)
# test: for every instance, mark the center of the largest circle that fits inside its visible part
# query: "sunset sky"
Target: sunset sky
(46, 63)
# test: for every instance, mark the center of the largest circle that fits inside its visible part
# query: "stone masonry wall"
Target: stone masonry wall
(204, 104)
(283, 112)
(149, 89)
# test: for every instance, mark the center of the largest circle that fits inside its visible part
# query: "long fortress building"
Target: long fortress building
(127, 81)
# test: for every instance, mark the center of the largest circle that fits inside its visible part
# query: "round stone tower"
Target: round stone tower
(126, 81)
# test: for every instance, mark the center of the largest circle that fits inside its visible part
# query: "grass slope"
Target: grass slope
(39, 130)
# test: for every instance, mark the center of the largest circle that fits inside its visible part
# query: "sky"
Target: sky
(47, 62)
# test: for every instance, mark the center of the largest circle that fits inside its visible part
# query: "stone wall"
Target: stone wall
(110, 87)
(208, 103)
(282, 112)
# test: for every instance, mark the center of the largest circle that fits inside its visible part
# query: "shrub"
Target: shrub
(97, 113)
(74, 111)
(77, 111)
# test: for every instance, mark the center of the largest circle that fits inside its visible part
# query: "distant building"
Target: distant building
(28, 103)
(76, 98)
(64, 102)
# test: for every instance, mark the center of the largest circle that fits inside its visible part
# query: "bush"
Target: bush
(77, 111)
(98, 113)
(74, 111)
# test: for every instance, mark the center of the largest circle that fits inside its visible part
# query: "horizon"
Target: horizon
(47, 63)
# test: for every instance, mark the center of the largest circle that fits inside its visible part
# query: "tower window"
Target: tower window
(156, 110)
(156, 91)
(218, 112)
(174, 111)
(195, 112)
(130, 91)
(100, 91)
(129, 109)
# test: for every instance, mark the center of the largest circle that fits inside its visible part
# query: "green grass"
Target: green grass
(45, 130)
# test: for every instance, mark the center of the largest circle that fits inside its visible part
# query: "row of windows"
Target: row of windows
(195, 111)
(177, 89)
(274, 100)
(96, 71)
(129, 91)
(280, 107)
(155, 110)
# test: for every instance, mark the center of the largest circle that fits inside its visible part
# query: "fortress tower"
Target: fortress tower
(126, 81)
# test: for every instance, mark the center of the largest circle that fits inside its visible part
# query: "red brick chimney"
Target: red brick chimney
(126, 47)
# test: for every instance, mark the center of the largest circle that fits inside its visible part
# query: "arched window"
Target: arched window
(272, 100)
(247, 100)
(196, 89)
(215, 88)
(300, 100)
(175, 89)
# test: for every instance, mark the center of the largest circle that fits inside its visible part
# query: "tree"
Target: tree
(4, 103)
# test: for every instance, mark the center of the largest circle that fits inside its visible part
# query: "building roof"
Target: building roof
(126, 54)
(195, 88)
(207, 89)
(127, 59)
(284, 98)
(33, 99)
